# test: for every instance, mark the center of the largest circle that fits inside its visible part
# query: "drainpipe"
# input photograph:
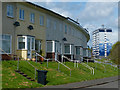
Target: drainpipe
(15, 30)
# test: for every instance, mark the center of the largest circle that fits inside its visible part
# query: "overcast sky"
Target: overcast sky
(90, 13)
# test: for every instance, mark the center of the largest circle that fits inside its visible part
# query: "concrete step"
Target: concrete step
(25, 75)
(28, 77)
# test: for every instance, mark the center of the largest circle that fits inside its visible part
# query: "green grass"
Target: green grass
(0, 75)
(11, 79)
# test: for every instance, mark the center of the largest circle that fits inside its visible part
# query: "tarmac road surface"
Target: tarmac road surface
(113, 84)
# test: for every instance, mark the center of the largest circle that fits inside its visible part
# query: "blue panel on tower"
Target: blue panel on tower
(109, 30)
(102, 49)
(101, 30)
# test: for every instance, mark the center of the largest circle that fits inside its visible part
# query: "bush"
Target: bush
(115, 55)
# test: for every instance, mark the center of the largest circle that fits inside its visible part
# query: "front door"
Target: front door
(56, 50)
(30, 46)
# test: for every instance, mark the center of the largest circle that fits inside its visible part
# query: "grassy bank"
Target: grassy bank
(0, 75)
(11, 79)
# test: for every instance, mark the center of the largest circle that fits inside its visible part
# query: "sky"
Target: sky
(91, 14)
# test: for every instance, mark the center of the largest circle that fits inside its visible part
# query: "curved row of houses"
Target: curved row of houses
(27, 27)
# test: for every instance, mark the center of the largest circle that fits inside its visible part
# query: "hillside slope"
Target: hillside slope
(11, 79)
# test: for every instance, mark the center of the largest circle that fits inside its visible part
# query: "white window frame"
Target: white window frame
(52, 46)
(10, 9)
(21, 14)
(64, 49)
(10, 43)
(41, 20)
(32, 17)
(25, 43)
(26, 48)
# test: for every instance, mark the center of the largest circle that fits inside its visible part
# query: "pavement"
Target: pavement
(86, 84)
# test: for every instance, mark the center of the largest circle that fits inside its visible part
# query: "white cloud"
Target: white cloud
(95, 11)
(62, 12)
(103, 1)
(74, 0)
(114, 36)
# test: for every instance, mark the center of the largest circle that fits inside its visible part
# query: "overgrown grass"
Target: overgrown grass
(11, 79)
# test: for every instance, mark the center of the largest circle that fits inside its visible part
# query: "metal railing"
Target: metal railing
(63, 65)
(55, 60)
(33, 67)
(41, 57)
(76, 62)
(18, 62)
(67, 58)
(87, 66)
(9, 55)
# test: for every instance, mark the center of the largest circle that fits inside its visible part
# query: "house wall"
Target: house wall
(7, 23)
(38, 31)
(75, 36)
(54, 34)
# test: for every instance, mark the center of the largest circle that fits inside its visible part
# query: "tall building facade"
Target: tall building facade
(101, 42)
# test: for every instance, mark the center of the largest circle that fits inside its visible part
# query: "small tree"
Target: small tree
(115, 53)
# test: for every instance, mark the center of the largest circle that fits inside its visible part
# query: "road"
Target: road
(113, 84)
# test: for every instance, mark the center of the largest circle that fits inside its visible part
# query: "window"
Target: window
(72, 50)
(87, 52)
(81, 51)
(33, 43)
(10, 10)
(55, 25)
(67, 49)
(48, 22)
(60, 49)
(21, 42)
(84, 52)
(21, 14)
(41, 20)
(65, 29)
(37, 45)
(49, 46)
(60, 27)
(69, 30)
(6, 43)
(32, 17)
(77, 50)
(73, 32)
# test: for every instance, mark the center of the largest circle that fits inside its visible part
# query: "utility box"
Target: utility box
(42, 76)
